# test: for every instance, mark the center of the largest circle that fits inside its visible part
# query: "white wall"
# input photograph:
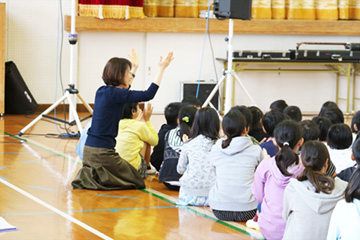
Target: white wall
(32, 45)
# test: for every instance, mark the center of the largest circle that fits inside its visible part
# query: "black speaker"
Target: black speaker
(18, 98)
(190, 89)
(236, 9)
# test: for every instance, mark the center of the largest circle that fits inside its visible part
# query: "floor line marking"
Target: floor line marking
(42, 188)
(70, 218)
(89, 210)
(29, 161)
(204, 213)
(114, 196)
(160, 195)
(46, 148)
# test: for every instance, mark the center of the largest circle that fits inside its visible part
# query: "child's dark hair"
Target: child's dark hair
(356, 151)
(353, 188)
(186, 119)
(233, 125)
(310, 130)
(293, 112)
(287, 135)
(271, 119)
(324, 125)
(128, 110)
(206, 123)
(257, 115)
(191, 101)
(335, 115)
(339, 136)
(279, 105)
(114, 71)
(355, 121)
(326, 105)
(171, 113)
(314, 155)
(246, 112)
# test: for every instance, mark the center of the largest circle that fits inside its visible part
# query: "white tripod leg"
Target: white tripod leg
(41, 115)
(213, 92)
(87, 106)
(73, 111)
(245, 90)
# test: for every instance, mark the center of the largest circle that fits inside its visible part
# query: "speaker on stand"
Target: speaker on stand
(229, 9)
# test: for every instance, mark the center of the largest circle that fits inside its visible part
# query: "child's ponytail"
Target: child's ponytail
(314, 155)
(186, 119)
(287, 135)
(233, 125)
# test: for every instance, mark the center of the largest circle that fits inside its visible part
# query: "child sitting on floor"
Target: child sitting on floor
(345, 219)
(134, 136)
(168, 174)
(310, 199)
(194, 163)
(235, 159)
(272, 176)
(171, 115)
(355, 156)
(256, 127)
(270, 121)
(339, 141)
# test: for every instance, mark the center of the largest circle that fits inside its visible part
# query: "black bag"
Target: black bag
(18, 98)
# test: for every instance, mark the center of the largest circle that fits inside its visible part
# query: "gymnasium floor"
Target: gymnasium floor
(36, 170)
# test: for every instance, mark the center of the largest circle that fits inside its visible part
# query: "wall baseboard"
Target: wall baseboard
(60, 108)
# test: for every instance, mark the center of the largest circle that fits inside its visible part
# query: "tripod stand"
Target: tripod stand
(229, 76)
(69, 91)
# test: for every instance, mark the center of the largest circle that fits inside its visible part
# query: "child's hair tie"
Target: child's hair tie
(185, 119)
(286, 144)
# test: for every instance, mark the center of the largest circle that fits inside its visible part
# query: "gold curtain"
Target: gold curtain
(306, 9)
(349, 9)
(118, 9)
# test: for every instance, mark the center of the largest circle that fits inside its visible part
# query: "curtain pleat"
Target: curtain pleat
(261, 9)
(306, 9)
(118, 9)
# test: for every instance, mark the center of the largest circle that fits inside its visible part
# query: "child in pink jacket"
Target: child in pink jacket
(273, 175)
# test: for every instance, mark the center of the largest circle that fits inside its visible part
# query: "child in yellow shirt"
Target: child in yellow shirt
(134, 135)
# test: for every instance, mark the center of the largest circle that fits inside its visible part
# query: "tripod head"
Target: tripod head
(72, 89)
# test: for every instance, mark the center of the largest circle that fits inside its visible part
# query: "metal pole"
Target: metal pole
(229, 77)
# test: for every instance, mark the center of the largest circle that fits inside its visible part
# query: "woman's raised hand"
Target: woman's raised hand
(134, 58)
(163, 63)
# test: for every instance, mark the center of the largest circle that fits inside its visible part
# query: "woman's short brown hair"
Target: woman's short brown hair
(114, 71)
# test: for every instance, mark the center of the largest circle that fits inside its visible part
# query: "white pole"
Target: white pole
(73, 54)
(229, 78)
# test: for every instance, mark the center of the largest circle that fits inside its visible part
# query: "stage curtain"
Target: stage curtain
(261, 9)
(186, 8)
(119, 9)
(349, 9)
(306, 9)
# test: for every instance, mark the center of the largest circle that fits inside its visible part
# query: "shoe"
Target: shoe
(151, 170)
(252, 224)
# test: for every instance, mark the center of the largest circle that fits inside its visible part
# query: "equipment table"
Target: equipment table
(349, 69)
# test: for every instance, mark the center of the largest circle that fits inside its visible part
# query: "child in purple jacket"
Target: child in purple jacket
(272, 176)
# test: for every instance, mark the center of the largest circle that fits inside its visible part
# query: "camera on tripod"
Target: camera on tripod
(235, 9)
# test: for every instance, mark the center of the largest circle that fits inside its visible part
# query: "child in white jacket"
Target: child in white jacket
(194, 162)
(235, 159)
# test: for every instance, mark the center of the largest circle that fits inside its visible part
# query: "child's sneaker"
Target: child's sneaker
(151, 170)
(252, 224)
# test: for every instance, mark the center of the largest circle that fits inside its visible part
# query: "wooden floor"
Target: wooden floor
(36, 170)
